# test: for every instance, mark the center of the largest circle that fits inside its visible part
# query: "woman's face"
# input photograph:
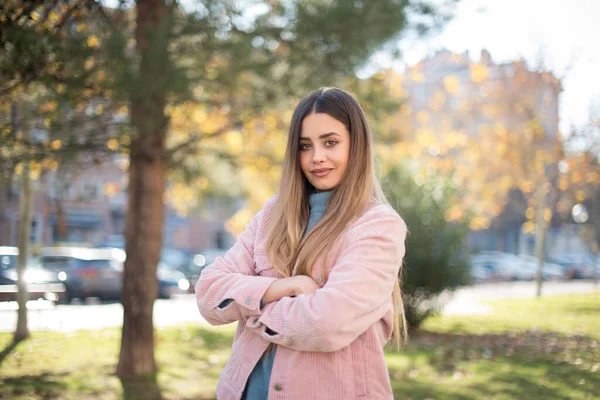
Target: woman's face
(324, 151)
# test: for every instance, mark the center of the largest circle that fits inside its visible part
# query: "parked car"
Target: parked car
(498, 266)
(483, 270)
(41, 283)
(171, 281)
(89, 272)
(200, 261)
(576, 265)
(85, 272)
(550, 271)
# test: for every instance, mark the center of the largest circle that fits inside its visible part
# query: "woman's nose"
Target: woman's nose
(318, 155)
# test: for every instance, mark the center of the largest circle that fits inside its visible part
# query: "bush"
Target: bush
(436, 252)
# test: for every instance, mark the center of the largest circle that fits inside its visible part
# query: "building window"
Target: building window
(33, 234)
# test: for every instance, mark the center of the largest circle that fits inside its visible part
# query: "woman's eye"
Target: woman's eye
(330, 143)
(304, 146)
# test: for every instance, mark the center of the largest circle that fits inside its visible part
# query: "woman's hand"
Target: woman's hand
(290, 287)
(303, 284)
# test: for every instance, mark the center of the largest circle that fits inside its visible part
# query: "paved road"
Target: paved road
(182, 308)
(44, 315)
(468, 300)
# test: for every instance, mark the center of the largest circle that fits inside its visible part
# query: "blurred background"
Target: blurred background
(137, 140)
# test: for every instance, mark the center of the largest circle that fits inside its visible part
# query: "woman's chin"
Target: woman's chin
(323, 188)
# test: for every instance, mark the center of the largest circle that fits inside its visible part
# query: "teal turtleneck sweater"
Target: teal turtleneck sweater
(257, 387)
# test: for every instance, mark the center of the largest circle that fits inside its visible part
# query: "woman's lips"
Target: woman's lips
(321, 172)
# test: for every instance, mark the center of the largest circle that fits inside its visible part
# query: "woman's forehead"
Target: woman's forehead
(316, 125)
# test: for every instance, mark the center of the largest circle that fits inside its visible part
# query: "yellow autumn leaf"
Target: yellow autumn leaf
(591, 177)
(112, 144)
(479, 72)
(93, 41)
(451, 84)
(454, 213)
(89, 63)
(425, 137)
(56, 144)
(417, 76)
(270, 122)
(529, 213)
(563, 184)
(35, 170)
(547, 215)
(526, 186)
(529, 227)
(48, 107)
(203, 183)
(422, 117)
(53, 17)
(438, 101)
(234, 141)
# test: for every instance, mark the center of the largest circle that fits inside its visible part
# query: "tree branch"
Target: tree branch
(197, 138)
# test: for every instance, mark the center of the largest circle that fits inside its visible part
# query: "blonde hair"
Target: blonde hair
(290, 250)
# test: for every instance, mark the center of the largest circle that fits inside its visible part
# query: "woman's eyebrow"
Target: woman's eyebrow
(323, 136)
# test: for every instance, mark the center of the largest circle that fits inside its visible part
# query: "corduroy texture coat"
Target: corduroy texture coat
(330, 343)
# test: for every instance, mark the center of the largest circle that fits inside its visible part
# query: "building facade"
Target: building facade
(87, 205)
(452, 98)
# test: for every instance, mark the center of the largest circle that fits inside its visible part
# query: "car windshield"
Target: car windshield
(99, 263)
(8, 261)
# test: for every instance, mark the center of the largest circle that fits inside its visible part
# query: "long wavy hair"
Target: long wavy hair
(290, 250)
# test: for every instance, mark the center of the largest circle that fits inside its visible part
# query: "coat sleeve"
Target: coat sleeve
(229, 289)
(357, 293)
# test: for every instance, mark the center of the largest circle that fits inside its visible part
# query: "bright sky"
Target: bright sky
(565, 32)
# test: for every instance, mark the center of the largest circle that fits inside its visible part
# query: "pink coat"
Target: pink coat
(330, 342)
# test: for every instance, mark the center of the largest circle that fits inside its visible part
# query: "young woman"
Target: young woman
(313, 280)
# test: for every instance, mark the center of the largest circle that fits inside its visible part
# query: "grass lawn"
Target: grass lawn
(528, 349)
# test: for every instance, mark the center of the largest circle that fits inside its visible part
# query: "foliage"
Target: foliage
(57, 96)
(579, 181)
(490, 129)
(141, 64)
(435, 258)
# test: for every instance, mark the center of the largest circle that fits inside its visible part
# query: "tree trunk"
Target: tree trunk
(26, 200)
(595, 255)
(540, 236)
(147, 177)
(61, 223)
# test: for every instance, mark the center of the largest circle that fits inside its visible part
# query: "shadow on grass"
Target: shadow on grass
(44, 386)
(9, 349)
(142, 387)
(214, 338)
(523, 365)
(585, 310)
(502, 379)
